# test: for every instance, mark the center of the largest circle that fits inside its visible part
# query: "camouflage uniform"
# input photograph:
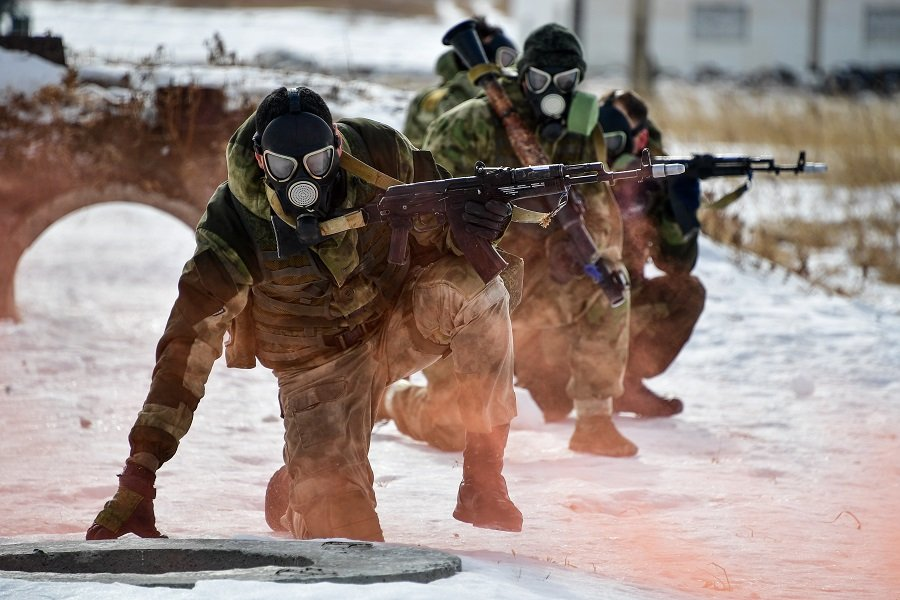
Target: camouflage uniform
(336, 325)
(570, 344)
(426, 106)
(664, 309)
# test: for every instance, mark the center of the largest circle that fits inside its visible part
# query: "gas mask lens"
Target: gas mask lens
(279, 167)
(318, 163)
(538, 81)
(567, 80)
(505, 56)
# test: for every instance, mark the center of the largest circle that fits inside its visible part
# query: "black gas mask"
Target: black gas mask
(616, 131)
(500, 49)
(549, 90)
(300, 158)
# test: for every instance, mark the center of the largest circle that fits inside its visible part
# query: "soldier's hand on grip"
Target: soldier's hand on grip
(489, 220)
(131, 508)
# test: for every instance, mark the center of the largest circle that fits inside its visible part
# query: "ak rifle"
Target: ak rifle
(706, 166)
(409, 207)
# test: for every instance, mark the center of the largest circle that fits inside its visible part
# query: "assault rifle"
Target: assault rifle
(705, 166)
(405, 208)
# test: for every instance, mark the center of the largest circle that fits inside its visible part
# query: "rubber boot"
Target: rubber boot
(483, 499)
(643, 402)
(277, 493)
(595, 432)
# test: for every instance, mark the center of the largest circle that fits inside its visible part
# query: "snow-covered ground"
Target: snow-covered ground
(780, 480)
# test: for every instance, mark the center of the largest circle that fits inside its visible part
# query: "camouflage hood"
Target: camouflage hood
(447, 66)
(245, 178)
(247, 181)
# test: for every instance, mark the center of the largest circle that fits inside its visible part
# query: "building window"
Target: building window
(883, 24)
(721, 22)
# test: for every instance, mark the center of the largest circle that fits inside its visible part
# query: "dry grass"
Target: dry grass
(856, 137)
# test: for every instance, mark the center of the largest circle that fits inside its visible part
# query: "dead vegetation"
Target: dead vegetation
(859, 196)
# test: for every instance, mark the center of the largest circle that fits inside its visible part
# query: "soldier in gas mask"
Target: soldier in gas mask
(282, 264)
(660, 227)
(455, 87)
(570, 343)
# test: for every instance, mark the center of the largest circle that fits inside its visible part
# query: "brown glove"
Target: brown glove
(131, 508)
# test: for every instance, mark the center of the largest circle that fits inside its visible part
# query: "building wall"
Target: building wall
(730, 35)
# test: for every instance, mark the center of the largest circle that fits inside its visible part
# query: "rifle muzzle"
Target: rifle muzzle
(666, 170)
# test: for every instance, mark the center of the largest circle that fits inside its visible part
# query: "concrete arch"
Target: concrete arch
(21, 234)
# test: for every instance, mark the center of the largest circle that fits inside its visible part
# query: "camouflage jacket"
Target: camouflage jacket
(472, 132)
(301, 306)
(434, 101)
(555, 290)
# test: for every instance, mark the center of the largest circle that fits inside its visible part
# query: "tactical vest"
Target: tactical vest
(300, 307)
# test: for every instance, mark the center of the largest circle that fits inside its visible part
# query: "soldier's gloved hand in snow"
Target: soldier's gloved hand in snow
(488, 220)
(131, 508)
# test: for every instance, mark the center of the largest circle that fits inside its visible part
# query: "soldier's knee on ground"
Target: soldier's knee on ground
(343, 511)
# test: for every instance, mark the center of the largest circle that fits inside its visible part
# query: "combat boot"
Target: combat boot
(595, 432)
(483, 498)
(277, 493)
(643, 402)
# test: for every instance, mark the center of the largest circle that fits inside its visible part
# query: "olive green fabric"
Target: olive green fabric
(664, 309)
(328, 410)
(569, 342)
(304, 308)
(664, 312)
(433, 101)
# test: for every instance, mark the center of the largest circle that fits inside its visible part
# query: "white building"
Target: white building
(735, 36)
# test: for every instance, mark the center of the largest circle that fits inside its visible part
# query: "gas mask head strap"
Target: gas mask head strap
(294, 103)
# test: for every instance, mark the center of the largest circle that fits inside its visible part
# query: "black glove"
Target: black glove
(131, 508)
(488, 220)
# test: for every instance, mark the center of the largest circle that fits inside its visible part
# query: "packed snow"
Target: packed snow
(780, 480)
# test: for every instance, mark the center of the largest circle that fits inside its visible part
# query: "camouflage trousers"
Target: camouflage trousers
(328, 410)
(664, 311)
(569, 344)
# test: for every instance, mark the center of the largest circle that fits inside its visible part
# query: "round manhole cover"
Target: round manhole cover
(181, 563)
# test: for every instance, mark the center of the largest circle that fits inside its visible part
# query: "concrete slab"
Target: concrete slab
(181, 563)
